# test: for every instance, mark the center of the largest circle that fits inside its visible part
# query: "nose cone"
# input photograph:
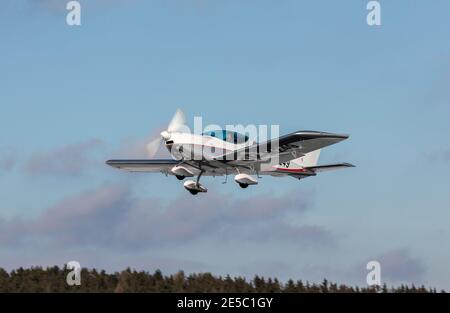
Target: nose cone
(165, 134)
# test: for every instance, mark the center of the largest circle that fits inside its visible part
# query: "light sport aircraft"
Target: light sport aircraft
(224, 152)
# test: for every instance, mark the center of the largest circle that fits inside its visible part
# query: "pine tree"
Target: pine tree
(53, 279)
(324, 286)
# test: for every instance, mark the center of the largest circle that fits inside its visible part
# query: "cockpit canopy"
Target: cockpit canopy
(229, 136)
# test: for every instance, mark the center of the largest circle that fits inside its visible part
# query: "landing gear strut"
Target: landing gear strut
(198, 177)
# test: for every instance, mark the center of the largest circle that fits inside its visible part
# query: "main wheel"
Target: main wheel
(180, 177)
(243, 185)
(193, 192)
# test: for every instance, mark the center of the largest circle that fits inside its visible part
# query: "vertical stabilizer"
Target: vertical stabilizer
(309, 159)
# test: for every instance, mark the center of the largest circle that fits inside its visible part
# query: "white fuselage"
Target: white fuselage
(200, 147)
(186, 146)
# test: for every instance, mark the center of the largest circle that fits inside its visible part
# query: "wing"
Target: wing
(209, 168)
(329, 167)
(287, 147)
(162, 165)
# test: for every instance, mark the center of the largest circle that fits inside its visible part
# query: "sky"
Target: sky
(72, 97)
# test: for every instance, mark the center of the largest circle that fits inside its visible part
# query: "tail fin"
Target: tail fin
(309, 159)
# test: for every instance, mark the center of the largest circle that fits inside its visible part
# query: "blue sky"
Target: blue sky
(84, 94)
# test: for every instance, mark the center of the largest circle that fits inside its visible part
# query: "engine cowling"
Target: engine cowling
(193, 187)
(182, 171)
(245, 180)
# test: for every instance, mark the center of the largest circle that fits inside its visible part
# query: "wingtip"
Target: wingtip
(109, 162)
(343, 136)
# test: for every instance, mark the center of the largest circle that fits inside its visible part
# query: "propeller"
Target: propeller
(178, 120)
(153, 146)
(176, 123)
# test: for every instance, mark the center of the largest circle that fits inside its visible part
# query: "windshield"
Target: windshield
(229, 136)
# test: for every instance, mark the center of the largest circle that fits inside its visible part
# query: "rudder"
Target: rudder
(309, 159)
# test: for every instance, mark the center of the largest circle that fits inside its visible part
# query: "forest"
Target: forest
(53, 279)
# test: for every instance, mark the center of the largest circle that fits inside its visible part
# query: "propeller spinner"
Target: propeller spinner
(177, 122)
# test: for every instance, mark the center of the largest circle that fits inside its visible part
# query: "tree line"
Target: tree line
(53, 279)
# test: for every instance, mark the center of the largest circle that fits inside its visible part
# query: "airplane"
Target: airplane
(224, 152)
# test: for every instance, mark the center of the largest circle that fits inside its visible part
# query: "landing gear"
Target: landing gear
(194, 187)
(245, 180)
(180, 177)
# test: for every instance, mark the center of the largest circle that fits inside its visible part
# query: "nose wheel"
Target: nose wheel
(243, 186)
